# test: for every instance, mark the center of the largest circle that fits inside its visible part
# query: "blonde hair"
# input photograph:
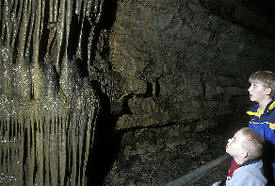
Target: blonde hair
(266, 78)
(253, 144)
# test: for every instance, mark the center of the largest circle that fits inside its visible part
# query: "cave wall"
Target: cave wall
(182, 71)
(183, 61)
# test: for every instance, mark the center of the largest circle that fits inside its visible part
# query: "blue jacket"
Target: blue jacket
(265, 125)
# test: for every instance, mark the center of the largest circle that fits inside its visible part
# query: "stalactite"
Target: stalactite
(60, 32)
(37, 73)
(93, 18)
(78, 51)
(15, 17)
(31, 27)
(51, 11)
(98, 9)
(22, 70)
(6, 26)
(68, 19)
(39, 152)
(23, 30)
(78, 7)
(47, 114)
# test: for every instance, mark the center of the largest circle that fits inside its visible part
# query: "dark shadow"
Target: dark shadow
(268, 159)
(106, 143)
(232, 10)
(106, 139)
(109, 14)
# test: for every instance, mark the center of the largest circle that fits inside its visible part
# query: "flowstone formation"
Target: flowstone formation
(48, 107)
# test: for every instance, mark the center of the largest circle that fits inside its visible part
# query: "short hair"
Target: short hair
(267, 78)
(254, 143)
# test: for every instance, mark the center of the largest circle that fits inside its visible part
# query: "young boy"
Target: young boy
(246, 148)
(262, 115)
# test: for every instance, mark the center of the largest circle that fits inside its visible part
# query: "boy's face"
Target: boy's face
(257, 92)
(234, 147)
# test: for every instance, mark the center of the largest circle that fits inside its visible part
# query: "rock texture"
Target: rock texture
(181, 70)
(160, 155)
(183, 61)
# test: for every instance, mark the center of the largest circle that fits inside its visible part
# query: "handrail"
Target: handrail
(199, 172)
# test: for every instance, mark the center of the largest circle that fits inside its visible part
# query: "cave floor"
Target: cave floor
(157, 156)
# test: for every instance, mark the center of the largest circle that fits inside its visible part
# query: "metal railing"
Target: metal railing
(199, 172)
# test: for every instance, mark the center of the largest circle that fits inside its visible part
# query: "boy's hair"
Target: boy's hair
(254, 143)
(266, 78)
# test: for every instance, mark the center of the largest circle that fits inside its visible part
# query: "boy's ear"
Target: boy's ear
(244, 154)
(268, 91)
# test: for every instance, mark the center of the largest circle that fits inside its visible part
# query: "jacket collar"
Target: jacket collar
(270, 106)
(250, 162)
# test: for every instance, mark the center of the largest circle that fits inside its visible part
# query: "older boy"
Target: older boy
(246, 148)
(262, 120)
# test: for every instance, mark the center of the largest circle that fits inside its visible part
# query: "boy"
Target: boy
(262, 115)
(246, 148)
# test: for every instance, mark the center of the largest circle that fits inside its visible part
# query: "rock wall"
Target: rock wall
(180, 70)
(183, 61)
